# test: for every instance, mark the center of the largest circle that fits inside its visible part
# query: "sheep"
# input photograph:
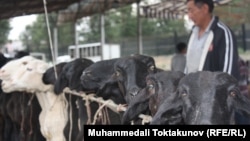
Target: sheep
(25, 74)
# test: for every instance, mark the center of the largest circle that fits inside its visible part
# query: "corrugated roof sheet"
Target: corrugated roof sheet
(69, 8)
(90, 7)
(170, 9)
(14, 8)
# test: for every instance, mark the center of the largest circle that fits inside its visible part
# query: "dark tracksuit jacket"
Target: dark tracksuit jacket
(220, 52)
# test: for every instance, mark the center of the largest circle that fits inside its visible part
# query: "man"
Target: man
(212, 45)
(178, 62)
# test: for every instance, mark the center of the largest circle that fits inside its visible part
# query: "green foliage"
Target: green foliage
(122, 23)
(94, 34)
(66, 37)
(36, 36)
(121, 26)
(235, 13)
(4, 31)
(128, 22)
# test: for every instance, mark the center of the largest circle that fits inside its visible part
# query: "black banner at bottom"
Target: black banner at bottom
(114, 132)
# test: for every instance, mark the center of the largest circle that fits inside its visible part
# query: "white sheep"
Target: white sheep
(25, 74)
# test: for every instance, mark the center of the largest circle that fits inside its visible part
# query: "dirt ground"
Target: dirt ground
(245, 56)
(164, 62)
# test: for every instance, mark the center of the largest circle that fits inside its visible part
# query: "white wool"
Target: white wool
(25, 74)
(12, 66)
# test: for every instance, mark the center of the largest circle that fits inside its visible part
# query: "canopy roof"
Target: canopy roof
(14, 8)
(90, 7)
(71, 10)
(171, 9)
(74, 8)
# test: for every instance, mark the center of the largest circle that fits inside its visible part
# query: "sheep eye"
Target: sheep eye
(117, 73)
(233, 93)
(184, 93)
(25, 63)
(152, 68)
(29, 69)
(88, 73)
(150, 86)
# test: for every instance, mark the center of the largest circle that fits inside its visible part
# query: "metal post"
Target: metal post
(102, 35)
(243, 37)
(55, 43)
(76, 42)
(139, 40)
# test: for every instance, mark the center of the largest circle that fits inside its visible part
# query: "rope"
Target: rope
(107, 116)
(21, 100)
(70, 118)
(30, 120)
(50, 40)
(31, 113)
(109, 103)
(31, 98)
(87, 104)
(99, 110)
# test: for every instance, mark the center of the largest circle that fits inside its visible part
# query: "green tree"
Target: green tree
(235, 13)
(36, 36)
(121, 23)
(4, 31)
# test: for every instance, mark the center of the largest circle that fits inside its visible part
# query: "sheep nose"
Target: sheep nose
(205, 122)
(1, 72)
(134, 91)
(82, 78)
(4, 75)
(2, 83)
(83, 73)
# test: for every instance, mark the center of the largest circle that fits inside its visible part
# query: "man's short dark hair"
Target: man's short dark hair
(210, 3)
(181, 46)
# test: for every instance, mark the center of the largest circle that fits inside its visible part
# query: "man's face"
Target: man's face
(196, 13)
